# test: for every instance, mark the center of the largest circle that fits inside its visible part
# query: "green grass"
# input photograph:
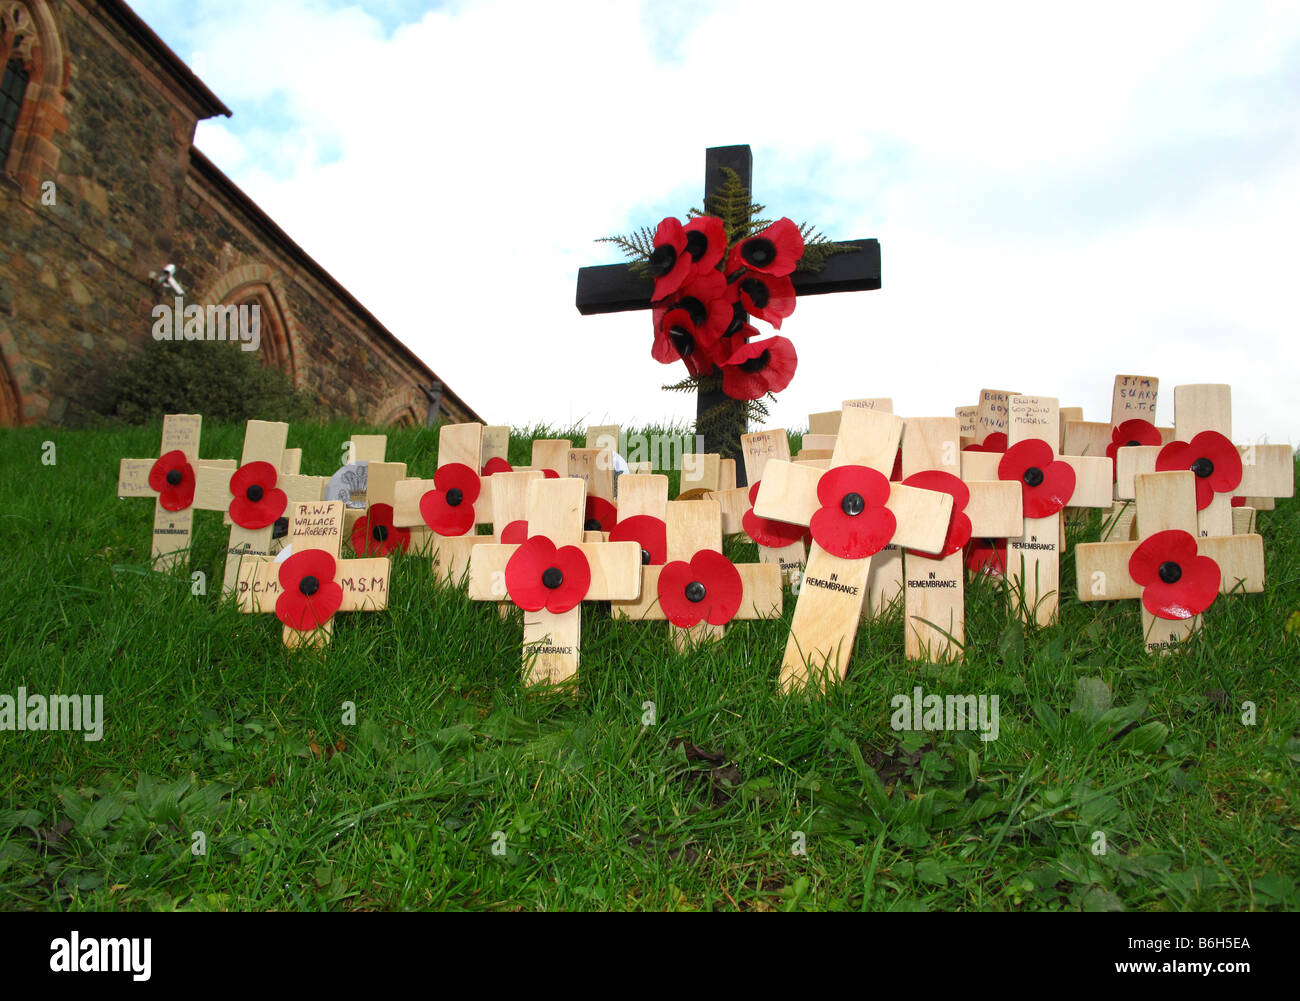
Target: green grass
(212, 726)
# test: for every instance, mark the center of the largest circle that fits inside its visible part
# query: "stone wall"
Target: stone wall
(110, 119)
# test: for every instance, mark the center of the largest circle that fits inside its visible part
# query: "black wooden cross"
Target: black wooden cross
(614, 288)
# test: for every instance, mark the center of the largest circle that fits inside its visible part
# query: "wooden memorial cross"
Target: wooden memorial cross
(704, 473)
(1175, 572)
(1203, 432)
(308, 585)
(934, 601)
(374, 531)
(778, 543)
(551, 574)
(1132, 422)
(614, 288)
(698, 590)
(991, 421)
(452, 504)
(855, 510)
(256, 496)
(170, 480)
(1050, 483)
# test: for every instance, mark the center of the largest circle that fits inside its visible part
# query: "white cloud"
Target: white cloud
(1061, 193)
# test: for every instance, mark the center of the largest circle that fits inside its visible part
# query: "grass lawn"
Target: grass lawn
(456, 789)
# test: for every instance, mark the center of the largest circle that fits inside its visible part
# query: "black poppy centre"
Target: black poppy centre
(1134, 442)
(379, 533)
(663, 259)
(683, 340)
(757, 364)
(1170, 572)
(1033, 476)
(757, 291)
(454, 497)
(552, 577)
(645, 557)
(254, 493)
(174, 477)
(695, 592)
(739, 318)
(308, 586)
(759, 252)
(696, 244)
(1203, 467)
(853, 504)
(591, 525)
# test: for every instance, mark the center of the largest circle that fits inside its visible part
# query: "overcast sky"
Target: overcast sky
(1062, 192)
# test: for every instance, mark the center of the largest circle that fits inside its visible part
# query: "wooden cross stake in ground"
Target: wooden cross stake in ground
(306, 588)
(935, 587)
(1132, 422)
(614, 288)
(170, 480)
(699, 590)
(778, 543)
(256, 496)
(1203, 432)
(551, 574)
(1050, 483)
(452, 504)
(853, 511)
(1176, 573)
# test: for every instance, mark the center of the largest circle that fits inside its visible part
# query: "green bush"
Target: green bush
(214, 379)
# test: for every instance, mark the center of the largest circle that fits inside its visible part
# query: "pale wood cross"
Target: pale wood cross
(934, 603)
(1050, 483)
(308, 585)
(1171, 550)
(1203, 413)
(1132, 413)
(831, 594)
(885, 581)
(256, 495)
(704, 473)
(171, 480)
(374, 531)
(552, 574)
(698, 591)
(456, 501)
(758, 448)
(990, 430)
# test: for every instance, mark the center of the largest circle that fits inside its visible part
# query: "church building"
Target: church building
(101, 188)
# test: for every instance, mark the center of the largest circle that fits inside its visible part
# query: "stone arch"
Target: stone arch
(401, 408)
(257, 284)
(31, 33)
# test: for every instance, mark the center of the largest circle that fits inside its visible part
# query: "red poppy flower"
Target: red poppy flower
(1239, 502)
(706, 242)
(449, 507)
(988, 556)
(309, 594)
(173, 477)
(768, 532)
(774, 251)
(759, 367)
(959, 526)
(707, 589)
(1046, 484)
(496, 464)
(669, 263)
(1176, 582)
(515, 534)
(688, 326)
(376, 535)
(768, 298)
(540, 576)
(1212, 457)
(647, 531)
(853, 522)
(601, 515)
(257, 502)
(995, 442)
(1135, 431)
(550, 474)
